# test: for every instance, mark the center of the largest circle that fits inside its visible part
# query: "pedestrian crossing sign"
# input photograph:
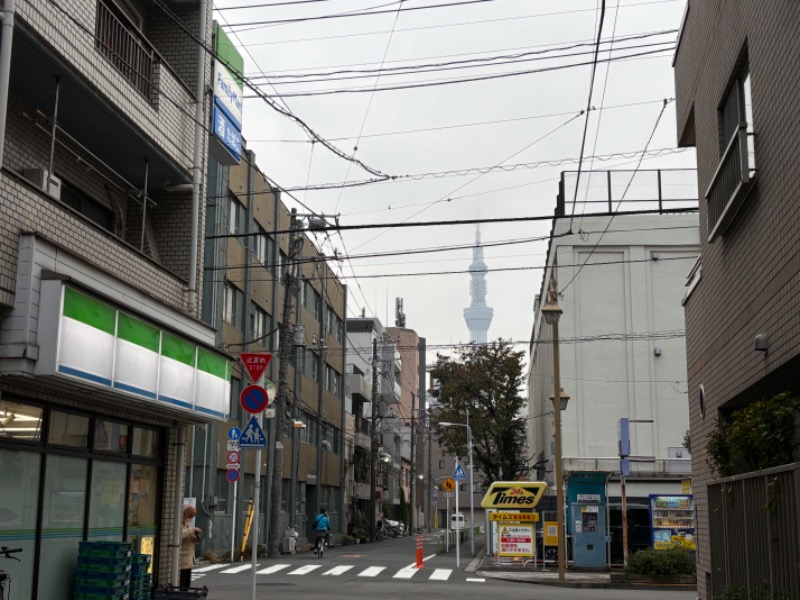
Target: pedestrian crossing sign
(459, 473)
(252, 435)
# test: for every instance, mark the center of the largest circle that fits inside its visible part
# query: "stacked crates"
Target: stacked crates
(141, 582)
(104, 571)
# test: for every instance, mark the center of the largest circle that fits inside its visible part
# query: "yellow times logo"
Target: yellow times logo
(514, 494)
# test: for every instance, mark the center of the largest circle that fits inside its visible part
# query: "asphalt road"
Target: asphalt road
(386, 571)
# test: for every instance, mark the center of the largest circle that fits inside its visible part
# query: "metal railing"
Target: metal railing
(730, 183)
(124, 48)
(754, 524)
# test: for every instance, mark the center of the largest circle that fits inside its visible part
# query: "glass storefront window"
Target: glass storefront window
(62, 523)
(110, 436)
(20, 422)
(19, 493)
(145, 442)
(106, 505)
(67, 429)
(142, 504)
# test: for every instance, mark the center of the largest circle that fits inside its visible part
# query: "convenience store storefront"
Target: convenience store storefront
(91, 441)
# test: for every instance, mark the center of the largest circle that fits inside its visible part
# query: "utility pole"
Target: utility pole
(430, 471)
(373, 442)
(413, 485)
(285, 357)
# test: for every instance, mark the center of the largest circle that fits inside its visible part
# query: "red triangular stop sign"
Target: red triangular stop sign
(255, 363)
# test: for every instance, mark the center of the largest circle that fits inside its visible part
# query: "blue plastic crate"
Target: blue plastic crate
(101, 576)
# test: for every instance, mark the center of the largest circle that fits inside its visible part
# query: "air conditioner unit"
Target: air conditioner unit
(41, 178)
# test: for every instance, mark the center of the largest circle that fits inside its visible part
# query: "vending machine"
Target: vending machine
(672, 522)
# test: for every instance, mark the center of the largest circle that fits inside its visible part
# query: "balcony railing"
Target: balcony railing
(125, 49)
(730, 185)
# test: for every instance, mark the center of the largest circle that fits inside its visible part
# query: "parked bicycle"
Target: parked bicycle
(5, 578)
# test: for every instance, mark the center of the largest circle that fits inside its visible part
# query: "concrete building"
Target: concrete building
(104, 360)
(620, 280)
(374, 364)
(736, 103)
(244, 287)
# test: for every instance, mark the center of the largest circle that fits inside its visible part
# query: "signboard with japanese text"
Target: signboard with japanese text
(514, 517)
(255, 363)
(516, 540)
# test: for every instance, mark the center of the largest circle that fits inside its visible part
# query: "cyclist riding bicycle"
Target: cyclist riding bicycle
(321, 527)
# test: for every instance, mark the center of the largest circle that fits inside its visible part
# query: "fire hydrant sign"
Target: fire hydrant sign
(515, 540)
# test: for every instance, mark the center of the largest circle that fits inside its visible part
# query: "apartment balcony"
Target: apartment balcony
(731, 183)
(359, 386)
(107, 87)
(361, 439)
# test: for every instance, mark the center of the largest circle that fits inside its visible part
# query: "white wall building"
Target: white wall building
(622, 347)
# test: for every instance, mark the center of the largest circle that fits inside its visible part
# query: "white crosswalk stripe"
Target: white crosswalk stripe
(272, 569)
(441, 574)
(238, 569)
(406, 573)
(338, 570)
(305, 570)
(371, 572)
(208, 568)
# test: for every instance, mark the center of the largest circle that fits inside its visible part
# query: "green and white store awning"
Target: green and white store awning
(104, 346)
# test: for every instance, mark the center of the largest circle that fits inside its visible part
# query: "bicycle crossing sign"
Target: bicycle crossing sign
(253, 436)
(459, 473)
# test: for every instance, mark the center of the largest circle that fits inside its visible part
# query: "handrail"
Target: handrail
(735, 140)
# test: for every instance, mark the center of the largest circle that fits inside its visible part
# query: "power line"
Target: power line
(477, 78)
(252, 24)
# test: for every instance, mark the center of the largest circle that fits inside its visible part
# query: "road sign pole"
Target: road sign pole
(233, 516)
(256, 502)
(458, 529)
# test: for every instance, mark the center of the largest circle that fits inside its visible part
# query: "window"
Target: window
(441, 464)
(737, 112)
(87, 206)
(260, 324)
(311, 369)
(232, 309)
(311, 299)
(333, 380)
(732, 180)
(283, 260)
(236, 216)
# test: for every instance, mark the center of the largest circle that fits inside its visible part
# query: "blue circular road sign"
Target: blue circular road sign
(234, 433)
(232, 475)
(254, 399)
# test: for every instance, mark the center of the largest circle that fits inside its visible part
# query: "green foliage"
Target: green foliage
(360, 529)
(484, 381)
(674, 561)
(759, 436)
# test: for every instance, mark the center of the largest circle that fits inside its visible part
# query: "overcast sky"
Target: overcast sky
(434, 133)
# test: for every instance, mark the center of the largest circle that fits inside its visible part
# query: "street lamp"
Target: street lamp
(552, 312)
(471, 488)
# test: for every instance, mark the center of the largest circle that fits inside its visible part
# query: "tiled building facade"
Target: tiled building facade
(103, 358)
(736, 71)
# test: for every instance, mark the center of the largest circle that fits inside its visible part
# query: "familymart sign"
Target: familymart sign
(110, 348)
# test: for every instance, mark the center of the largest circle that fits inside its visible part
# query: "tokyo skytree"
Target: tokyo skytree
(478, 316)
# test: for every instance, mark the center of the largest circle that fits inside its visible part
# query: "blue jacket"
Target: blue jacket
(321, 523)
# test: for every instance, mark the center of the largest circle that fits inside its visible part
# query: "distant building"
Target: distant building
(478, 316)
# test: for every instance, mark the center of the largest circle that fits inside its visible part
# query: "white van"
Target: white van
(457, 521)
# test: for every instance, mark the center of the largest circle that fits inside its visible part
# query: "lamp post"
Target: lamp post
(471, 489)
(552, 312)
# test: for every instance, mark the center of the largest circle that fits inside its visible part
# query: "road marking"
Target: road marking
(476, 579)
(209, 568)
(272, 569)
(441, 574)
(339, 570)
(305, 569)
(238, 569)
(406, 572)
(371, 572)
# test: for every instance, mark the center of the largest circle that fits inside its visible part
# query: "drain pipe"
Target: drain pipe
(180, 479)
(7, 32)
(199, 122)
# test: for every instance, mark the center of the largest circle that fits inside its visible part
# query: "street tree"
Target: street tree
(485, 381)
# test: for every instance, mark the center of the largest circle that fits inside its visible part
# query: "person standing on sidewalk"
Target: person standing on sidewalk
(189, 537)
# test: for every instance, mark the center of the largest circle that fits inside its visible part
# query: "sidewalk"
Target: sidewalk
(485, 566)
